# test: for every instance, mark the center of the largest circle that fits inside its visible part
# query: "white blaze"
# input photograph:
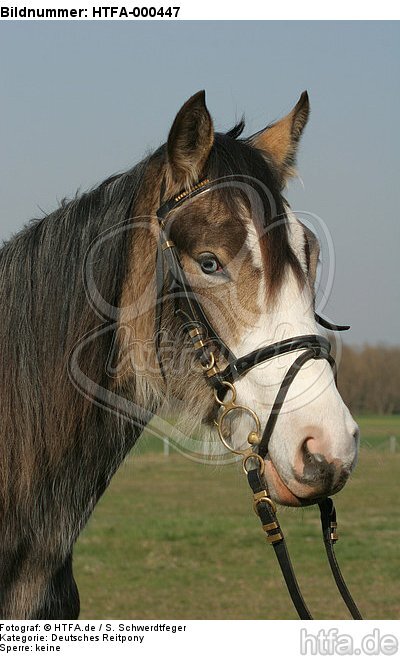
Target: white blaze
(313, 406)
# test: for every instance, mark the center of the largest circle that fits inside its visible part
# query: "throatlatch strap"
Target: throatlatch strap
(329, 525)
(274, 534)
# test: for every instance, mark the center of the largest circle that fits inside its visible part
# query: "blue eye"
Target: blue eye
(210, 264)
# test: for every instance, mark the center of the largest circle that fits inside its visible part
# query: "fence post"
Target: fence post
(392, 444)
(166, 446)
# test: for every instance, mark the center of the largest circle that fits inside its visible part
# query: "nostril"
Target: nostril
(305, 452)
(322, 459)
(310, 453)
(312, 444)
(356, 434)
(314, 470)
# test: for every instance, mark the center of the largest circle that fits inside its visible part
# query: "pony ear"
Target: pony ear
(189, 143)
(279, 141)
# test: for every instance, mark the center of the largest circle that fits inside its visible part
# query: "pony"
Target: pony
(81, 284)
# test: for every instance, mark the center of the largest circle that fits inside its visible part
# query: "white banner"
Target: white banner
(188, 10)
(368, 638)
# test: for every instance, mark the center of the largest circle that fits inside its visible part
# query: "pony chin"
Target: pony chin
(279, 491)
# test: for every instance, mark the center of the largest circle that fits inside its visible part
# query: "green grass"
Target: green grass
(174, 539)
(376, 430)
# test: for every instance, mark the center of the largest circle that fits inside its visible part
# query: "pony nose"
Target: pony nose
(316, 466)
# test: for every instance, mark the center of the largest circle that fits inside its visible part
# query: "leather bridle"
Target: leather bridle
(209, 347)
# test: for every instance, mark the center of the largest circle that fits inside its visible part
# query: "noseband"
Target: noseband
(209, 347)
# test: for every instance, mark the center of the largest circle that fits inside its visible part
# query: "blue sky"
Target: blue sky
(80, 101)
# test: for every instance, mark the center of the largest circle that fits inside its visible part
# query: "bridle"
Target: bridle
(208, 347)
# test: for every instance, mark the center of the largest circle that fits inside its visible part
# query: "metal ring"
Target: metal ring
(256, 457)
(225, 413)
(233, 397)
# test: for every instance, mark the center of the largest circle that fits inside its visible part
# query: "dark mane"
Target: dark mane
(44, 312)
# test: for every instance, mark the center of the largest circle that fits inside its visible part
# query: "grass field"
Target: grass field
(174, 539)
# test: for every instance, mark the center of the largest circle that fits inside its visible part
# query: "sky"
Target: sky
(80, 101)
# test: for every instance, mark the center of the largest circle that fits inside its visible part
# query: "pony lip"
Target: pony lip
(279, 490)
(281, 493)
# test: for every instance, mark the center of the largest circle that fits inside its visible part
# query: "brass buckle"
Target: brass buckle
(262, 497)
(210, 368)
(209, 365)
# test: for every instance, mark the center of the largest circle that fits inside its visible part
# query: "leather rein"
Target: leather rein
(203, 337)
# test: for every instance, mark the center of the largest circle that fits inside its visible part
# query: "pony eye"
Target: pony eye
(210, 264)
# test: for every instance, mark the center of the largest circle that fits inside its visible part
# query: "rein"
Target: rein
(203, 336)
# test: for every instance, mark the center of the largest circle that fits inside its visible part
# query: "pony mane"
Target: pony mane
(44, 312)
(237, 130)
